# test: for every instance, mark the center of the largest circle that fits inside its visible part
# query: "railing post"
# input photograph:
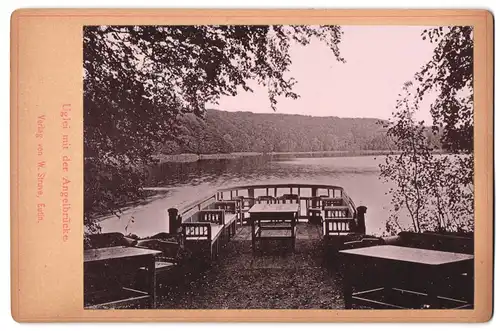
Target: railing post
(360, 219)
(174, 220)
(251, 196)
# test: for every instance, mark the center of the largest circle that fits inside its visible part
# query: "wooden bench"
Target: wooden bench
(204, 231)
(231, 215)
(337, 221)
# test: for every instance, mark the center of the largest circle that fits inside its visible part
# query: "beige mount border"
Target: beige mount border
(46, 78)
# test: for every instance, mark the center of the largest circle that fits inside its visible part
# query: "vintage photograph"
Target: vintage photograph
(278, 167)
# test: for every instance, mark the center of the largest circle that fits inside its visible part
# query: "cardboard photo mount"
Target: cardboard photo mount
(47, 126)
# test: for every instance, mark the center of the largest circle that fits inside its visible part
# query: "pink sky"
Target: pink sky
(379, 60)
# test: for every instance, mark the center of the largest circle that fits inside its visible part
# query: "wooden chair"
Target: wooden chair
(314, 210)
(167, 262)
(244, 202)
(266, 199)
(289, 198)
(241, 206)
(331, 202)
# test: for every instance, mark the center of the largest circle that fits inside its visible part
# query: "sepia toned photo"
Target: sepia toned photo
(278, 167)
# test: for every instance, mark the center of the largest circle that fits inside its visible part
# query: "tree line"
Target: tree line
(225, 132)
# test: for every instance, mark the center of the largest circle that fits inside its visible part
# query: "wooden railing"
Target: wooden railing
(306, 192)
(308, 195)
(189, 213)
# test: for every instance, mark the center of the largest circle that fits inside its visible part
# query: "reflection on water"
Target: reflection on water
(185, 182)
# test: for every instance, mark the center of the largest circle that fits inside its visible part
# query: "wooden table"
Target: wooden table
(284, 212)
(121, 256)
(428, 268)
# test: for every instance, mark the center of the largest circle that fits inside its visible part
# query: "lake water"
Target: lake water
(186, 182)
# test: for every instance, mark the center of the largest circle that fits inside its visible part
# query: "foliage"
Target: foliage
(436, 190)
(429, 187)
(137, 80)
(225, 132)
(450, 74)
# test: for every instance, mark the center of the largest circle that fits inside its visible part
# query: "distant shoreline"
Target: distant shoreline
(189, 157)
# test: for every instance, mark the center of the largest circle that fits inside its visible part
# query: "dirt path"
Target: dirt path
(240, 280)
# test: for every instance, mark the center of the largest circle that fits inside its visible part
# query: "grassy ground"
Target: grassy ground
(239, 280)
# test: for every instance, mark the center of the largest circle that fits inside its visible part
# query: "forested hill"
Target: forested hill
(225, 132)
